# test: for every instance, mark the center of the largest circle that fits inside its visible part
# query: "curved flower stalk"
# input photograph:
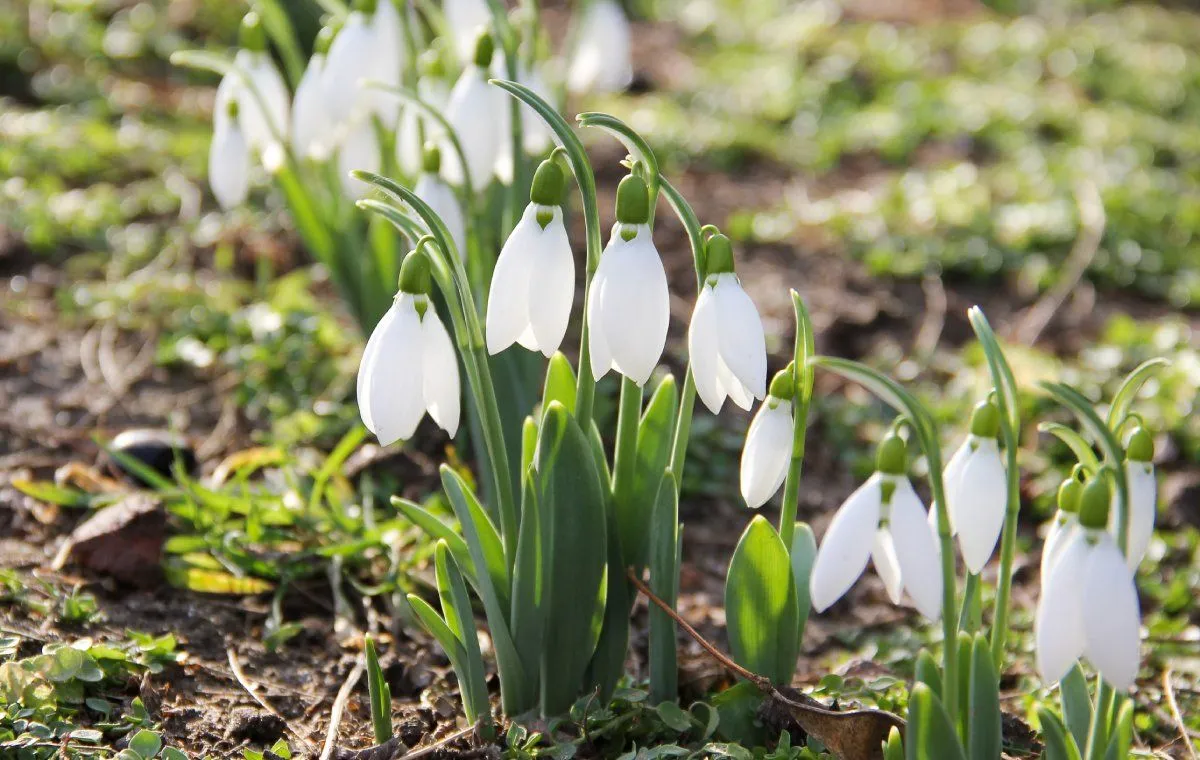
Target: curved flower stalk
(1143, 495)
(628, 308)
(534, 281)
(473, 112)
(726, 344)
(441, 198)
(602, 60)
(977, 489)
(883, 521)
(769, 440)
(1089, 605)
(229, 159)
(409, 366)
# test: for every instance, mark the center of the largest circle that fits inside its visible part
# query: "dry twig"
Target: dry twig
(339, 708)
(1169, 691)
(252, 689)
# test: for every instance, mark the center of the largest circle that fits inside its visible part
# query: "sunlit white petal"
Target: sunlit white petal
(635, 305)
(767, 452)
(602, 60)
(704, 352)
(229, 164)
(390, 378)
(740, 332)
(473, 114)
(916, 549)
(466, 18)
(887, 566)
(598, 345)
(1143, 501)
(350, 60)
(310, 116)
(553, 286)
(1111, 619)
(1058, 626)
(1064, 524)
(847, 544)
(979, 501)
(440, 384)
(359, 150)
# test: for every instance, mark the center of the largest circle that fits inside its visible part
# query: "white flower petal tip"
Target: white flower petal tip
(628, 308)
(767, 452)
(408, 368)
(603, 58)
(1143, 506)
(977, 497)
(916, 550)
(533, 285)
(229, 164)
(727, 345)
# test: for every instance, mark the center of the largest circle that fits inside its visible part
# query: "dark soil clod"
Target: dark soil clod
(255, 726)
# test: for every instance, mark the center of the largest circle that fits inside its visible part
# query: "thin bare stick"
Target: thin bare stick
(252, 689)
(429, 749)
(762, 682)
(1092, 221)
(339, 708)
(1169, 691)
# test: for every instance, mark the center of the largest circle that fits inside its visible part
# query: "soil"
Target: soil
(65, 383)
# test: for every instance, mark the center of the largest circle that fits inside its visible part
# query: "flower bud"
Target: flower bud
(985, 420)
(431, 158)
(414, 273)
(251, 35)
(485, 48)
(1094, 502)
(1141, 446)
(430, 64)
(633, 201)
(367, 7)
(549, 182)
(325, 39)
(891, 457)
(718, 255)
(783, 385)
(1069, 494)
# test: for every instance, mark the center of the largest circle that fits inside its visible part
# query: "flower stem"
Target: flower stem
(791, 487)
(625, 449)
(683, 427)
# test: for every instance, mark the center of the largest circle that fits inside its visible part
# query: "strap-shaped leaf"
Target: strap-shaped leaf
(1076, 704)
(1125, 395)
(664, 582)
(893, 748)
(436, 627)
(1079, 446)
(381, 702)
(1122, 735)
(608, 661)
(528, 610)
(760, 602)
(930, 734)
(456, 611)
(985, 737)
(576, 534)
(478, 530)
(1059, 744)
(928, 672)
(654, 435)
(803, 554)
(560, 383)
(439, 530)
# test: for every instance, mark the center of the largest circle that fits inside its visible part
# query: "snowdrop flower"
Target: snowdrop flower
(441, 198)
(725, 339)
(1143, 496)
(977, 489)
(1066, 520)
(416, 129)
(474, 113)
(409, 366)
(229, 159)
(387, 28)
(263, 100)
(352, 57)
(358, 150)
(603, 57)
(884, 521)
(1089, 604)
(310, 116)
(628, 306)
(769, 441)
(534, 281)
(465, 17)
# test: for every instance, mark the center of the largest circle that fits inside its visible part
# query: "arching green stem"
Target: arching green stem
(926, 433)
(585, 390)
(1133, 383)
(635, 144)
(1008, 403)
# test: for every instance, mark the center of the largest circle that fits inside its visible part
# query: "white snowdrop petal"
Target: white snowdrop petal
(602, 60)
(360, 150)
(472, 113)
(598, 346)
(1143, 500)
(982, 498)
(508, 300)
(229, 165)
(465, 18)
(703, 352)
(390, 394)
(309, 116)
(883, 557)
(442, 199)
(552, 285)
(952, 478)
(1056, 538)
(847, 544)
(767, 451)
(440, 383)
(1058, 626)
(740, 394)
(348, 62)
(1111, 619)
(916, 550)
(743, 344)
(636, 306)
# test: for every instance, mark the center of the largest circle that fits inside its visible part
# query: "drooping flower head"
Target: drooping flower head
(725, 339)
(628, 307)
(1089, 604)
(416, 128)
(1143, 495)
(1066, 520)
(441, 197)
(353, 56)
(229, 159)
(602, 61)
(263, 99)
(769, 441)
(464, 19)
(883, 521)
(409, 366)
(533, 285)
(474, 112)
(311, 118)
(977, 488)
